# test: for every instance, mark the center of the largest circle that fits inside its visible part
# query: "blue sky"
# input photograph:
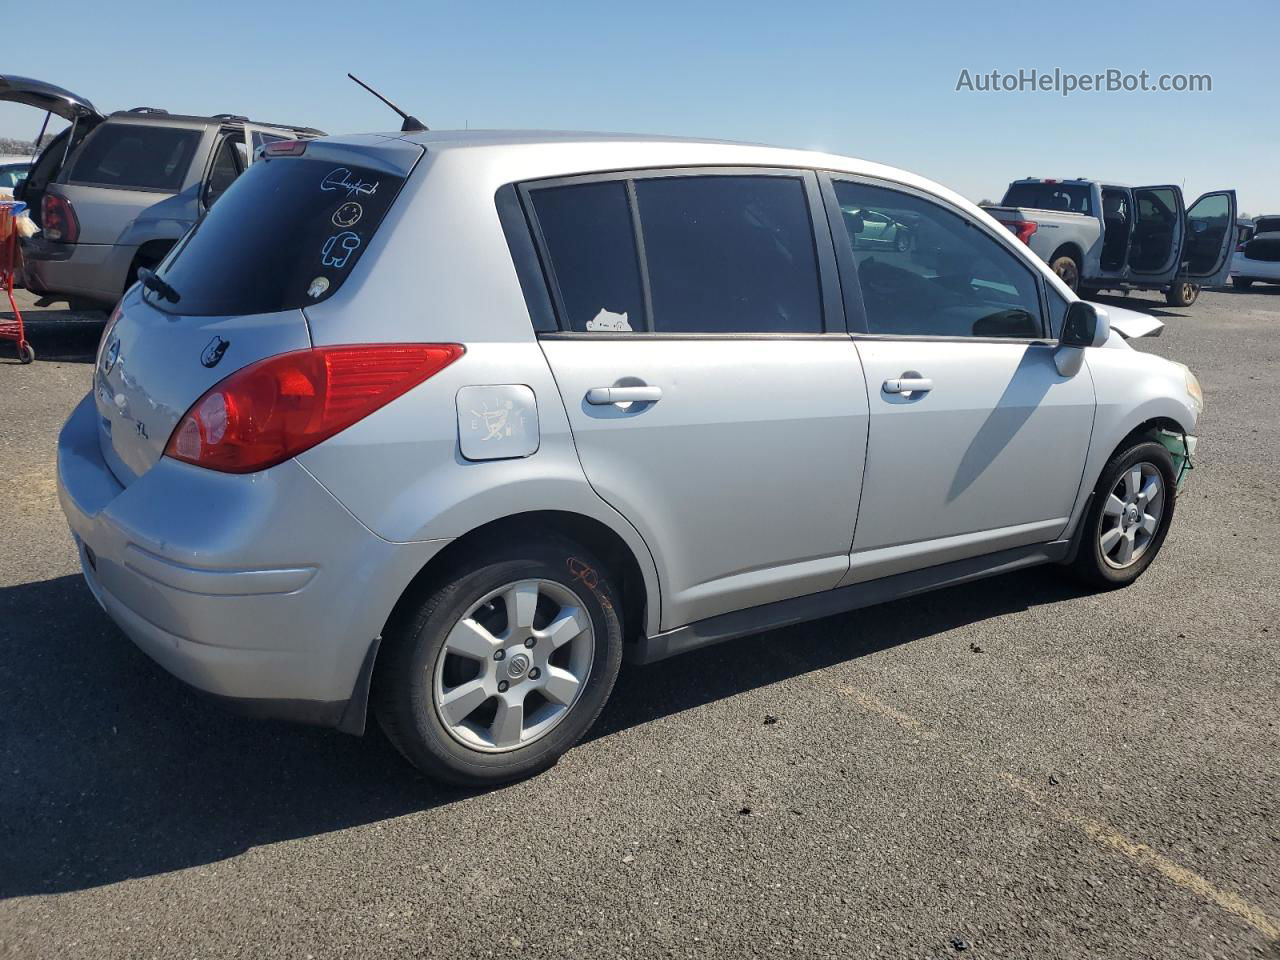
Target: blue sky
(874, 80)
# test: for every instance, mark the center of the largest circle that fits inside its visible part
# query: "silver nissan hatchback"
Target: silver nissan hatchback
(447, 424)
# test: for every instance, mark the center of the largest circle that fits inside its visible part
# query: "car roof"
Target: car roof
(152, 116)
(515, 155)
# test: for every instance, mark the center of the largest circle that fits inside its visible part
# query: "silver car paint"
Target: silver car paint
(713, 525)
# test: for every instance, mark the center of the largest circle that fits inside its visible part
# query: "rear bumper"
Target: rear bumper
(93, 271)
(261, 589)
(1242, 268)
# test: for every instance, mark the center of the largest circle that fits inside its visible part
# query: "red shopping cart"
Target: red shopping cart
(12, 329)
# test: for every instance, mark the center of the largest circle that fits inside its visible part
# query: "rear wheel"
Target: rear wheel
(1068, 270)
(497, 672)
(1128, 517)
(1182, 294)
(1240, 283)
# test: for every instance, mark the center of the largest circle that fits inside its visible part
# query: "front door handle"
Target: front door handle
(600, 396)
(908, 385)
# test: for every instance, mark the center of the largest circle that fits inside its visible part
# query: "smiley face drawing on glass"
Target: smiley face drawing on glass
(348, 215)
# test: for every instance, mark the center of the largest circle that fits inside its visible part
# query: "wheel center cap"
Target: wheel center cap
(517, 665)
(1131, 514)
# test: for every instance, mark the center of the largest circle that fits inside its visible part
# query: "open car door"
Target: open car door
(1210, 239)
(1156, 237)
(54, 101)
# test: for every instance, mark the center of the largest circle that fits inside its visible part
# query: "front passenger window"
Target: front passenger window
(925, 271)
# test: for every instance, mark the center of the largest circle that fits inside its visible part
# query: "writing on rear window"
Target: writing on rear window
(284, 235)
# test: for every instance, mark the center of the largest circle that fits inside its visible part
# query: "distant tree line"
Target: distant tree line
(11, 146)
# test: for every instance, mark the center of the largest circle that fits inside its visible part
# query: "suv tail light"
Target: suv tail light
(278, 407)
(1022, 229)
(58, 219)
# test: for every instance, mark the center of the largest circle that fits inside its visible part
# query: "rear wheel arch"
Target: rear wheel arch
(149, 255)
(620, 561)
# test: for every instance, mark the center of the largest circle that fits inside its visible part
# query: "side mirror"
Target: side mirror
(1085, 325)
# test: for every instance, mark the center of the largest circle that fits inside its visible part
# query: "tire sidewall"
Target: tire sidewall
(422, 735)
(1095, 566)
(1072, 280)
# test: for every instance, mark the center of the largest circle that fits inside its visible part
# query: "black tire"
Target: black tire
(1240, 283)
(1089, 566)
(1181, 294)
(404, 676)
(1068, 271)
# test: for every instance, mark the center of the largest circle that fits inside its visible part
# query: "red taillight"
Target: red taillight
(58, 219)
(277, 408)
(1022, 229)
(285, 148)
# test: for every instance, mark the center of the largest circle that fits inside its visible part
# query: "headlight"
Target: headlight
(1193, 389)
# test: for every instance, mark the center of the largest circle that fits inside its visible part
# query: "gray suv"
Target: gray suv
(114, 193)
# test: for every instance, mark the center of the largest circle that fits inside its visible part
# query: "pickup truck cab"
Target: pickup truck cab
(1101, 236)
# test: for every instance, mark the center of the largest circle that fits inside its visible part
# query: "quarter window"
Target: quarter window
(925, 271)
(136, 156)
(719, 253)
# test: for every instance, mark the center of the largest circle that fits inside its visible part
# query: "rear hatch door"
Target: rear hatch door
(286, 234)
(45, 96)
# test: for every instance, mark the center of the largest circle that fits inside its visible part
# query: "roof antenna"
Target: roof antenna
(411, 124)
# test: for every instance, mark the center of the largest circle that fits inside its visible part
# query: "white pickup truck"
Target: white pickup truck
(1102, 236)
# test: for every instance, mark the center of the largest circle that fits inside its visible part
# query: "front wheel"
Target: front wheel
(1129, 516)
(1182, 294)
(498, 671)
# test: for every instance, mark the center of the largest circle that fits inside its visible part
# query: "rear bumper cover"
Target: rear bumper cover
(94, 271)
(261, 590)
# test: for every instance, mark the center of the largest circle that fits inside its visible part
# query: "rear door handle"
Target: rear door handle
(908, 385)
(600, 396)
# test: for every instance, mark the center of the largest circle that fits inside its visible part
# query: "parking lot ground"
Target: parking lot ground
(1010, 769)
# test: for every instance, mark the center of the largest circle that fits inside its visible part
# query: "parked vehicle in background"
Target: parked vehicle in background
(480, 424)
(13, 170)
(1257, 259)
(1100, 236)
(112, 194)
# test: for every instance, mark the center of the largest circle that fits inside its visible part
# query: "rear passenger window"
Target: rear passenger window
(925, 271)
(135, 156)
(720, 254)
(730, 254)
(588, 232)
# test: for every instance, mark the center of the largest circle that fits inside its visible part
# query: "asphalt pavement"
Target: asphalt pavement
(1011, 769)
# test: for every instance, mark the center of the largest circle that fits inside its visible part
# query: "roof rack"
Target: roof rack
(231, 116)
(146, 110)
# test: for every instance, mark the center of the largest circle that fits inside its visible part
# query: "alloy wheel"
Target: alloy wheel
(514, 665)
(1131, 515)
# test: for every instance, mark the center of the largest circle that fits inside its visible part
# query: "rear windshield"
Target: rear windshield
(136, 157)
(1266, 225)
(284, 235)
(1071, 198)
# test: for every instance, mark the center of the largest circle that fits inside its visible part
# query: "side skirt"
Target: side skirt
(784, 613)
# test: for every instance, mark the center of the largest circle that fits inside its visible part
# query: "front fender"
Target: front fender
(1132, 389)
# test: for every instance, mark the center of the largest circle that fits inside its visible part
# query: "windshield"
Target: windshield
(1068, 197)
(285, 234)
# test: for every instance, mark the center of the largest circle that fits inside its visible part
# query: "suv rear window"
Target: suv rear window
(284, 235)
(1072, 198)
(136, 157)
(1266, 225)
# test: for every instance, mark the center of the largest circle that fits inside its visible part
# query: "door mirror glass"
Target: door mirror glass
(1085, 325)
